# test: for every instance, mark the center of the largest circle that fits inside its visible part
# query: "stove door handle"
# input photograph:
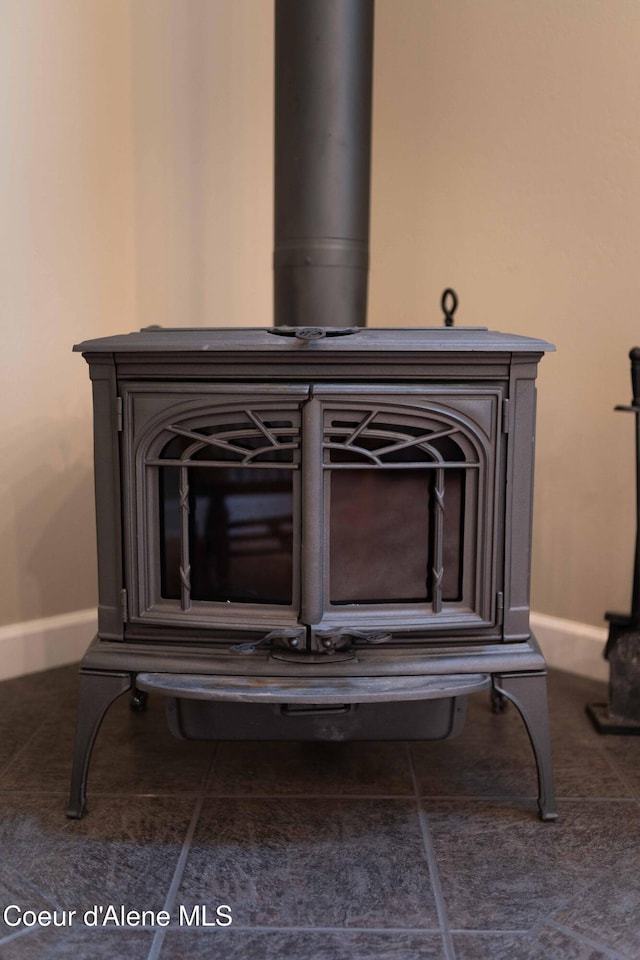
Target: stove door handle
(293, 636)
(333, 638)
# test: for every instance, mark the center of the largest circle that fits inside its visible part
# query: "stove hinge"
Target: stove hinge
(119, 414)
(506, 415)
(124, 605)
(499, 608)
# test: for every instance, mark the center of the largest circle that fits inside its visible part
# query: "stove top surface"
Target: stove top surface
(278, 340)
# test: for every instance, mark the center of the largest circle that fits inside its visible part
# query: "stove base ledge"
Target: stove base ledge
(308, 690)
(516, 672)
(197, 659)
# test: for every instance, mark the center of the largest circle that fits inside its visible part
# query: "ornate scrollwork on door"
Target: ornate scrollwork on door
(225, 499)
(417, 467)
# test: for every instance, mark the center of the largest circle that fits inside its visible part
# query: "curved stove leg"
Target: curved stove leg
(97, 692)
(528, 692)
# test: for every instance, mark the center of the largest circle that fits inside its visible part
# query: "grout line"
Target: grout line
(208, 777)
(182, 859)
(507, 932)
(17, 935)
(613, 765)
(169, 902)
(441, 910)
(29, 883)
(54, 791)
(600, 744)
(262, 928)
(500, 798)
(576, 895)
(58, 792)
(158, 939)
(22, 749)
(310, 796)
(569, 799)
(587, 941)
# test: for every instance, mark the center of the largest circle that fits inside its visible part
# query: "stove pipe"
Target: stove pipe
(323, 70)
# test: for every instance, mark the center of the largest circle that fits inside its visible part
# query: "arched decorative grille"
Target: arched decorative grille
(247, 438)
(372, 439)
(366, 439)
(207, 465)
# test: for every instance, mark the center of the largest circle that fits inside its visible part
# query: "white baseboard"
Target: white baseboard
(574, 647)
(42, 644)
(55, 641)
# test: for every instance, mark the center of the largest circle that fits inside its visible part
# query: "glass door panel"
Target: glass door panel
(379, 536)
(240, 534)
(382, 535)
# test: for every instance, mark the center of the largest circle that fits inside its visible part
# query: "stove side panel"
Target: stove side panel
(519, 497)
(108, 496)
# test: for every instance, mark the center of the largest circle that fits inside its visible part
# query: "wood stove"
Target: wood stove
(316, 530)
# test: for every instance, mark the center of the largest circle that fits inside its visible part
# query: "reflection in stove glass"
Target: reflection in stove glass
(240, 534)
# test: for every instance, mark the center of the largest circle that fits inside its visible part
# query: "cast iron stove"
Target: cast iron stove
(315, 531)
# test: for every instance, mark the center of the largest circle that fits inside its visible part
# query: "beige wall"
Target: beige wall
(203, 102)
(136, 188)
(66, 266)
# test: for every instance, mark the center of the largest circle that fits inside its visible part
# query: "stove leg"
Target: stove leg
(97, 693)
(528, 692)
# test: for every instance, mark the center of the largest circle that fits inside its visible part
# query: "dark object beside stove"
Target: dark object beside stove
(316, 531)
(622, 713)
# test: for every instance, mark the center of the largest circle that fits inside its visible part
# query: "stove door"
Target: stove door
(213, 505)
(404, 504)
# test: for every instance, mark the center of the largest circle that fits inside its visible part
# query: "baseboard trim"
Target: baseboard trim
(41, 644)
(571, 646)
(55, 641)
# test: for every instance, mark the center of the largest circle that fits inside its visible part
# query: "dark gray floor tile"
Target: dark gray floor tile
(564, 946)
(503, 765)
(41, 691)
(134, 753)
(609, 911)
(312, 768)
(90, 944)
(300, 945)
(624, 754)
(572, 730)
(27, 702)
(493, 757)
(79, 944)
(569, 695)
(15, 734)
(35, 944)
(549, 945)
(124, 851)
(582, 770)
(473, 768)
(497, 946)
(356, 863)
(15, 889)
(500, 868)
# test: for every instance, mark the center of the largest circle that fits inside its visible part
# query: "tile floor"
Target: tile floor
(379, 851)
